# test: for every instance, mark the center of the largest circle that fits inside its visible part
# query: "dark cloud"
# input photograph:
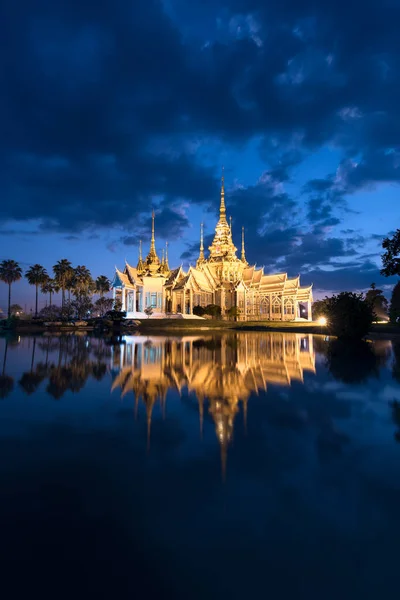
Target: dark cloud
(109, 109)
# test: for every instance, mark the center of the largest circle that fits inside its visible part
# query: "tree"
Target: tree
(233, 312)
(213, 309)
(16, 310)
(49, 287)
(394, 309)
(36, 275)
(391, 258)
(148, 311)
(378, 302)
(10, 272)
(319, 309)
(63, 274)
(83, 284)
(103, 305)
(349, 315)
(103, 285)
(198, 310)
(51, 313)
(82, 306)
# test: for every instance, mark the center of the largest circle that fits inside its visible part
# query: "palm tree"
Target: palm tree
(63, 273)
(10, 271)
(49, 287)
(36, 275)
(103, 285)
(83, 282)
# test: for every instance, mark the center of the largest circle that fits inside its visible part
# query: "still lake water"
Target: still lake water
(241, 465)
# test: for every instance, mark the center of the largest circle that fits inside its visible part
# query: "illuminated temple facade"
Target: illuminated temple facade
(221, 278)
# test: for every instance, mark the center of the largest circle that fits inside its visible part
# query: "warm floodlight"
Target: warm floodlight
(322, 321)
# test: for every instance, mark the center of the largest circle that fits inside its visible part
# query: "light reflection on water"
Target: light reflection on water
(252, 449)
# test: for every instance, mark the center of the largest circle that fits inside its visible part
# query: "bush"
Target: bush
(51, 313)
(198, 310)
(115, 315)
(213, 310)
(349, 315)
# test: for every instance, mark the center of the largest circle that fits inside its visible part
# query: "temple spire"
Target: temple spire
(200, 260)
(243, 257)
(222, 209)
(153, 241)
(140, 265)
(166, 265)
(152, 260)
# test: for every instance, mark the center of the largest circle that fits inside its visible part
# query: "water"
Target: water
(244, 465)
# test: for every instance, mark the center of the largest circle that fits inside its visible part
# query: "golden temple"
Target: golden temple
(221, 278)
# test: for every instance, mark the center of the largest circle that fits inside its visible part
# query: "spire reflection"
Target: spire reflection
(222, 372)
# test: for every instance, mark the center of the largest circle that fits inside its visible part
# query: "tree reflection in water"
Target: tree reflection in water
(352, 362)
(67, 364)
(6, 382)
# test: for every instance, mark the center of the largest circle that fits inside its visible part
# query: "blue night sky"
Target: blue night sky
(111, 108)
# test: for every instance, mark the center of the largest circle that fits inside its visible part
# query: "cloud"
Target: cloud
(113, 112)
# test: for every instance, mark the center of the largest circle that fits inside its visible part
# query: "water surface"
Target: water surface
(235, 465)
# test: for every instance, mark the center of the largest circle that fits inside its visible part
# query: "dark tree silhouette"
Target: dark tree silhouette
(391, 256)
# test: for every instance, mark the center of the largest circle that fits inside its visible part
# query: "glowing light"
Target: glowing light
(322, 321)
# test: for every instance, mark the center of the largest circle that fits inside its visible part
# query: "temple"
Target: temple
(221, 278)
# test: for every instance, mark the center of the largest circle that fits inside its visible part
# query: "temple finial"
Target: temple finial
(140, 265)
(243, 257)
(166, 265)
(152, 259)
(222, 209)
(201, 259)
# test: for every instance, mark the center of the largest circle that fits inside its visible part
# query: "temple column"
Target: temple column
(309, 312)
(270, 307)
(123, 298)
(222, 303)
(282, 308)
(296, 309)
(134, 300)
(191, 301)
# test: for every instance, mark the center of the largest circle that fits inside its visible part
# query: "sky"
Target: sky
(110, 109)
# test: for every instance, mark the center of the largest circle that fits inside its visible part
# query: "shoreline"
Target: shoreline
(163, 326)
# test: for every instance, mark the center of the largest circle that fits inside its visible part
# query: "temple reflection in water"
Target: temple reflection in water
(221, 371)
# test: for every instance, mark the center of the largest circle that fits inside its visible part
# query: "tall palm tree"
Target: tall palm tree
(103, 285)
(10, 271)
(83, 282)
(63, 273)
(49, 287)
(36, 275)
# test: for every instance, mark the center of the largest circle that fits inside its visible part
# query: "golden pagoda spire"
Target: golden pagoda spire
(140, 265)
(222, 208)
(201, 259)
(153, 241)
(243, 257)
(166, 265)
(152, 260)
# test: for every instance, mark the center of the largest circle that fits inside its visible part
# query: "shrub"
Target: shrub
(198, 310)
(213, 310)
(349, 315)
